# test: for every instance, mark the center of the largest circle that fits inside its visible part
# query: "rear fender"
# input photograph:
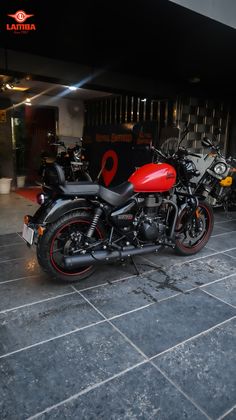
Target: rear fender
(53, 210)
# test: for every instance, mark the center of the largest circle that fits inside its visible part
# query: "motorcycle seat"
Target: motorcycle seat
(115, 196)
(118, 195)
(80, 188)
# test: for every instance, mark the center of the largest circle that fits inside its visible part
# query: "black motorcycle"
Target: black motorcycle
(71, 159)
(81, 224)
(73, 162)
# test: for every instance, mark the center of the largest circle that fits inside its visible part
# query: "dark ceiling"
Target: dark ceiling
(148, 38)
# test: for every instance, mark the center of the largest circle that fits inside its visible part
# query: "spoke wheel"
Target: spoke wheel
(194, 235)
(66, 237)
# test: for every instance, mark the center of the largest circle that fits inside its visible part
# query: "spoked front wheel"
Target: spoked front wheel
(192, 235)
(63, 238)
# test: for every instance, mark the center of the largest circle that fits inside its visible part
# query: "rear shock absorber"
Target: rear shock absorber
(94, 223)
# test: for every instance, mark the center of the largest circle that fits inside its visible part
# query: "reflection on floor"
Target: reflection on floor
(119, 346)
(13, 208)
(29, 193)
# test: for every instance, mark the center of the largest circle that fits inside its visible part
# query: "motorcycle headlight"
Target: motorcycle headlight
(220, 168)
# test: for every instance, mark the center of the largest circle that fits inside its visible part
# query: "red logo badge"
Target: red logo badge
(20, 27)
(20, 16)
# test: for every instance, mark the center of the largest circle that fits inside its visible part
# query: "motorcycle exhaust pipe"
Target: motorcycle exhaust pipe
(96, 257)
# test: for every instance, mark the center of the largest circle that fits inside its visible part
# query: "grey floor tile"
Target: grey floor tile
(35, 323)
(167, 257)
(165, 324)
(20, 250)
(142, 393)
(205, 368)
(28, 290)
(107, 273)
(10, 239)
(220, 215)
(231, 415)
(220, 229)
(232, 252)
(133, 293)
(224, 289)
(229, 225)
(223, 242)
(39, 377)
(203, 271)
(13, 208)
(15, 269)
(199, 271)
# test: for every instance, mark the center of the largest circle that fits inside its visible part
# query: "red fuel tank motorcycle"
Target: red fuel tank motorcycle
(79, 225)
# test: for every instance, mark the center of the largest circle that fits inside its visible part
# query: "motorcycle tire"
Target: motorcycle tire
(56, 242)
(197, 232)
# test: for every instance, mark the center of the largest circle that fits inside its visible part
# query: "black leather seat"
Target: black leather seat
(115, 196)
(80, 188)
(118, 195)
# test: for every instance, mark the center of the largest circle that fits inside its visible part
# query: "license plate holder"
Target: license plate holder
(28, 234)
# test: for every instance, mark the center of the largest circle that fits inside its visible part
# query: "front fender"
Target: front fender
(53, 210)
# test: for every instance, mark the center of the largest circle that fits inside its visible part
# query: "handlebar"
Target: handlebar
(159, 152)
(194, 154)
(180, 151)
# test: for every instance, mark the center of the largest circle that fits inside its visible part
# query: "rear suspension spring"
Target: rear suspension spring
(94, 223)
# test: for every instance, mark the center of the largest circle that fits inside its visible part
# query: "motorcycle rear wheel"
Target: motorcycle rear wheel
(58, 241)
(197, 232)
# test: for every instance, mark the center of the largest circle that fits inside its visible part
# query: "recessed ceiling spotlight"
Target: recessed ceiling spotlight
(9, 86)
(72, 87)
(28, 102)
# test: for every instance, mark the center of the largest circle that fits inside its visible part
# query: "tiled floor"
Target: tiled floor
(119, 346)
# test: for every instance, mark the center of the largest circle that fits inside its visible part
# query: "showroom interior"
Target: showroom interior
(145, 337)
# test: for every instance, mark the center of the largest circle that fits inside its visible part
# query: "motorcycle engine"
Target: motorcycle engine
(151, 224)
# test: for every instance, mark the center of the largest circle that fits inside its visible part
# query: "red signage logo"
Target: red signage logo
(20, 16)
(108, 174)
(20, 27)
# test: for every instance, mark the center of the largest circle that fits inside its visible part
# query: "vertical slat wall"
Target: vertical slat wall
(203, 115)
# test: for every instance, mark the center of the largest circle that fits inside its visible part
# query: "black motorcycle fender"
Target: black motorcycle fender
(53, 210)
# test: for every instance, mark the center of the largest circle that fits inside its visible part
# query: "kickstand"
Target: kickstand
(135, 266)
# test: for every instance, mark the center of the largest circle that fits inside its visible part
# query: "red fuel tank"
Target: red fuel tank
(153, 177)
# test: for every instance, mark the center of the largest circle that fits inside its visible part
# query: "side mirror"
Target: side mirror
(206, 142)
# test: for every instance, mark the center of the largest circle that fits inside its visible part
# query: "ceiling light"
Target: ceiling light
(20, 88)
(9, 86)
(144, 100)
(72, 87)
(28, 102)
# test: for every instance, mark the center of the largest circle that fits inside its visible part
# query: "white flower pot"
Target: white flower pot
(5, 185)
(20, 181)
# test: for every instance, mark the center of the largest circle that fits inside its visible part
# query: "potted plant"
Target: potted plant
(5, 184)
(20, 166)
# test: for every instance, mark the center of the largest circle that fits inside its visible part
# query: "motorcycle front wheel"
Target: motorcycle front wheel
(192, 235)
(60, 239)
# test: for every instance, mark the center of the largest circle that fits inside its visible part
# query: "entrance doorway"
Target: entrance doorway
(31, 127)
